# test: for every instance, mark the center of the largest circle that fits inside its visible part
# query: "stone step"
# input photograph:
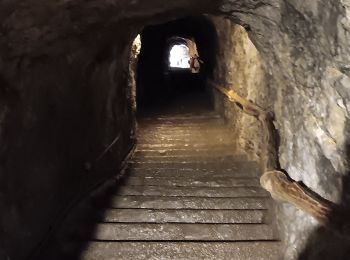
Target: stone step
(163, 173)
(187, 142)
(213, 192)
(178, 131)
(178, 232)
(155, 202)
(190, 117)
(192, 181)
(186, 153)
(197, 142)
(187, 127)
(213, 123)
(187, 149)
(165, 128)
(184, 145)
(182, 250)
(194, 173)
(187, 194)
(183, 216)
(190, 164)
(230, 160)
(198, 164)
(209, 115)
(208, 139)
(182, 122)
(184, 133)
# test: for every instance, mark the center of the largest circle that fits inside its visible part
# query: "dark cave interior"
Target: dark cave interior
(157, 84)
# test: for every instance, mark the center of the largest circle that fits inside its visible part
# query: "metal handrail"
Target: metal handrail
(277, 181)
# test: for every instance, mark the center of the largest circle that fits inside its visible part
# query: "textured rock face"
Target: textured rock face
(62, 104)
(134, 57)
(240, 68)
(63, 77)
(59, 115)
(64, 99)
(305, 48)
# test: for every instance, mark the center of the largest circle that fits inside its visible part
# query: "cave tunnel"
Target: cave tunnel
(158, 83)
(191, 129)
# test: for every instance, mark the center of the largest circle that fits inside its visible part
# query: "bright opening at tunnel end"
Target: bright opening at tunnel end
(179, 56)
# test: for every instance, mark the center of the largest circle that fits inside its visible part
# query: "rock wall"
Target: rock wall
(240, 68)
(64, 99)
(132, 85)
(305, 48)
(63, 78)
(60, 109)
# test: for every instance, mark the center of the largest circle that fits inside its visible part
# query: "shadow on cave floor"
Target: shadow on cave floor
(82, 221)
(191, 102)
(327, 244)
(186, 194)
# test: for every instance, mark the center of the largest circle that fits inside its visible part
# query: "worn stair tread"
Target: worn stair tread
(194, 173)
(195, 134)
(155, 202)
(234, 192)
(184, 145)
(218, 124)
(205, 159)
(189, 163)
(185, 117)
(188, 192)
(186, 142)
(221, 162)
(183, 153)
(221, 165)
(185, 134)
(188, 116)
(261, 250)
(182, 137)
(191, 181)
(183, 128)
(182, 122)
(183, 216)
(179, 232)
(212, 122)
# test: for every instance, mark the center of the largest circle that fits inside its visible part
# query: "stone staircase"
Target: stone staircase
(185, 194)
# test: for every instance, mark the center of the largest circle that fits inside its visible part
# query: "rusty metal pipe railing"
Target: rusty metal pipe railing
(276, 181)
